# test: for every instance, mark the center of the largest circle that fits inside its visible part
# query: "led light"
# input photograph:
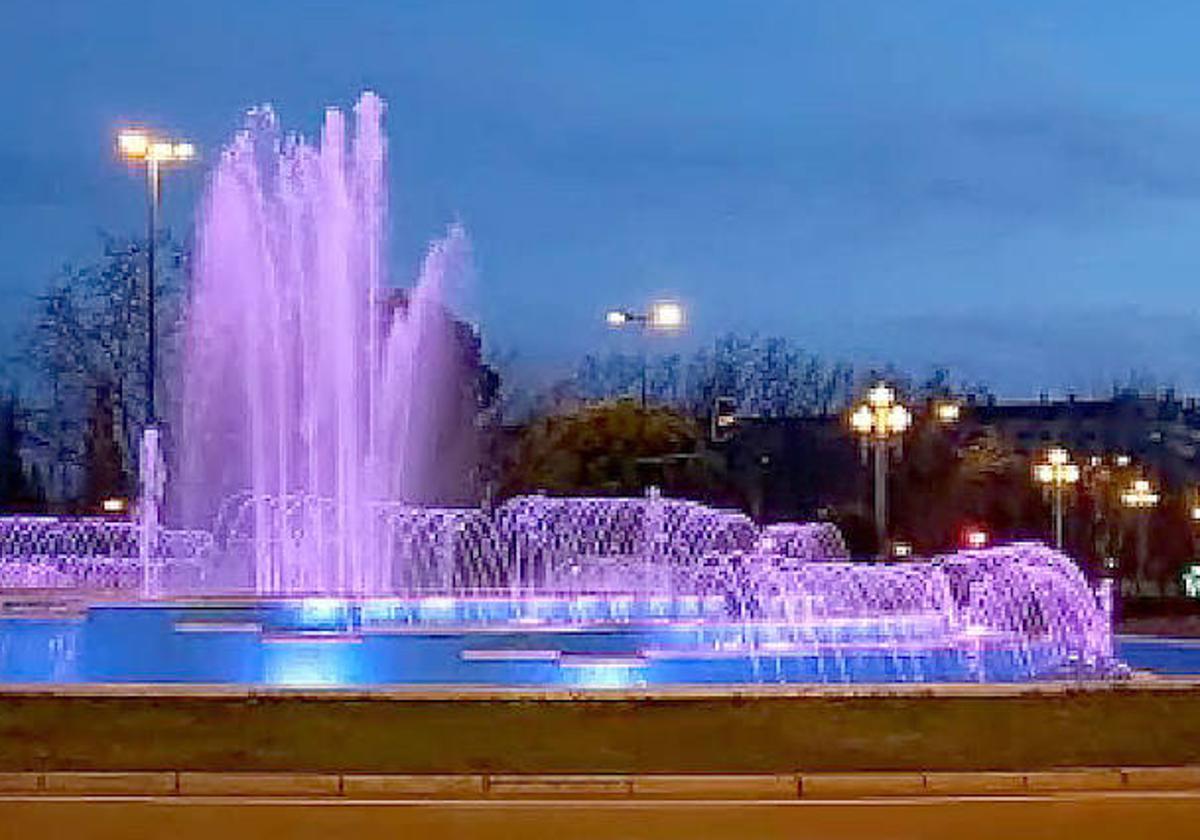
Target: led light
(162, 151)
(977, 538)
(881, 396)
(133, 144)
(114, 505)
(902, 549)
(183, 151)
(861, 420)
(617, 318)
(948, 412)
(666, 315)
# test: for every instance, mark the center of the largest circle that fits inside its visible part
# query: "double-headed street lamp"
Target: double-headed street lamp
(1141, 497)
(154, 152)
(880, 421)
(663, 316)
(1058, 473)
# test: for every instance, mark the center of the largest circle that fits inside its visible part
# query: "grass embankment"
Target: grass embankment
(1112, 727)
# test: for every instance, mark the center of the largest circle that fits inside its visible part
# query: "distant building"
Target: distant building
(1162, 432)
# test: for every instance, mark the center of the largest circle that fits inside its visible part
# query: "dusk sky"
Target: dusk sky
(1011, 189)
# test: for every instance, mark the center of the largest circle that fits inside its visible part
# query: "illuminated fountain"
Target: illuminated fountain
(307, 458)
(322, 399)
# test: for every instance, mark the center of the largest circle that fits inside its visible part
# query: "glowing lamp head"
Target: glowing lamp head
(1196, 513)
(616, 318)
(902, 550)
(948, 412)
(1141, 494)
(666, 315)
(134, 145)
(1122, 460)
(976, 538)
(862, 420)
(183, 151)
(160, 150)
(114, 505)
(1057, 456)
(899, 419)
(881, 396)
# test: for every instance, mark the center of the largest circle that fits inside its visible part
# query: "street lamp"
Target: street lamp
(947, 413)
(1058, 473)
(880, 421)
(663, 316)
(142, 147)
(1140, 497)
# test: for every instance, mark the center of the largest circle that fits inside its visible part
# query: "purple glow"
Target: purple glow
(312, 389)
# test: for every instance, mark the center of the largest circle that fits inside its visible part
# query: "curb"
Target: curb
(799, 786)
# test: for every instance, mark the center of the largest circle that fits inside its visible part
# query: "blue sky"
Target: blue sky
(1009, 188)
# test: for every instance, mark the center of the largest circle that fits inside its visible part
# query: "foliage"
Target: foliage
(18, 490)
(604, 449)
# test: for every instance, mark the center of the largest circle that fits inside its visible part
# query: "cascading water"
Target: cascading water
(310, 387)
(312, 457)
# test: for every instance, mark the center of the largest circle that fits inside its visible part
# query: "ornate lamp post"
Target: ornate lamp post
(880, 421)
(1141, 497)
(663, 316)
(1058, 473)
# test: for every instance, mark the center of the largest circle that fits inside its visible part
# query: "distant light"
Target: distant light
(1140, 495)
(666, 315)
(948, 412)
(1191, 580)
(860, 420)
(1122, 460)
(617, 318)
(902, 549)
(133, 144)
(880, 396)
(976, 538)
(1095, 461)
(162, 150)
(1196, 513)
(114, 505)
(184, 151)
(1057, 469)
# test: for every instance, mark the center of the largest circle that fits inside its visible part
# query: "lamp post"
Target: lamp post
(1141, 497)
(1058, 473)
(880, 421)
(663, 316)
(154, 152)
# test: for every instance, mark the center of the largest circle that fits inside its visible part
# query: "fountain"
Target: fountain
(307, 484)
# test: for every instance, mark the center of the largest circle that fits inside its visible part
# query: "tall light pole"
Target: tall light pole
(663, 316)
(1058, 473)
(154, 152)
(1140, 497)
(880, 421)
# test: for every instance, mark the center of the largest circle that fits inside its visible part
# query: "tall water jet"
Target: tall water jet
(313, 391)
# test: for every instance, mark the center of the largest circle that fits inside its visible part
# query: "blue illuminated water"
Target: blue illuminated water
(579, 642)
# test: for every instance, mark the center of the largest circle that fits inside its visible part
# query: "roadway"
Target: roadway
(1093, 816)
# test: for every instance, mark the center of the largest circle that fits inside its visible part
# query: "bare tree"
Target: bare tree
(87, 334)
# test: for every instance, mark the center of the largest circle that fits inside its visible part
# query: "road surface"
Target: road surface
(1078, 817)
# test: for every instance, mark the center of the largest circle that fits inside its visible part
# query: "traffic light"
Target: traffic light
(724, 419)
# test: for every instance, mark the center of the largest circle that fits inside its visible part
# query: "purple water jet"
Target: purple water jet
(313, 391)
